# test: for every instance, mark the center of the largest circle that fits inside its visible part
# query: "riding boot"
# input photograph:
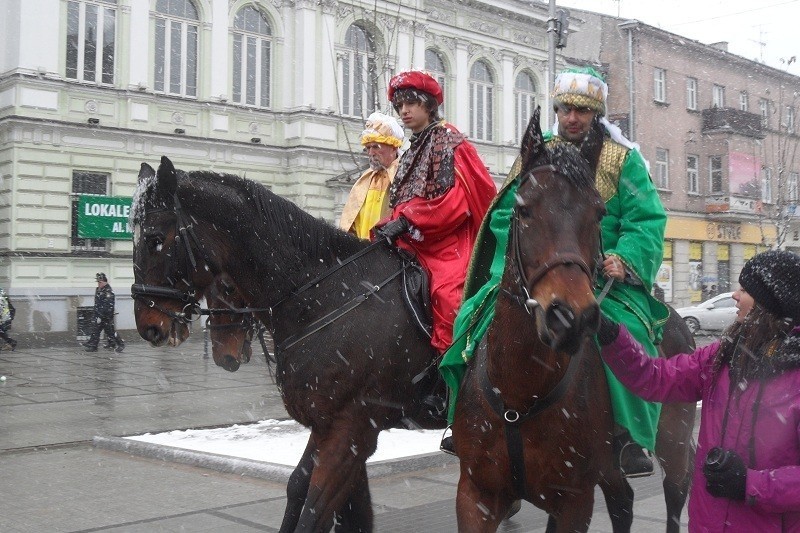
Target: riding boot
(448, 445)
(630, 457)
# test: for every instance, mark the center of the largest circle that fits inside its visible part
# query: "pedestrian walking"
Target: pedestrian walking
(7, 313)
(104, 317)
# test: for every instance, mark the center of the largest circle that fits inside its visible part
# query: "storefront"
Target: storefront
(703, 258)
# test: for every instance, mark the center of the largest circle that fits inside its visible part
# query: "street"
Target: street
(56, 400)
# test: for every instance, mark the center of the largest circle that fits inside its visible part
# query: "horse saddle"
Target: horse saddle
(417, 293)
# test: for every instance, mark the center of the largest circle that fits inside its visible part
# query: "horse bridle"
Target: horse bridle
(556, 260)
(184, 232)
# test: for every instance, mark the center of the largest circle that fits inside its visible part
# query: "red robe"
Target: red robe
(448, 225)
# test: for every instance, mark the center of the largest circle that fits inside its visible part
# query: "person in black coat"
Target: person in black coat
(5, 324)
(104, 317)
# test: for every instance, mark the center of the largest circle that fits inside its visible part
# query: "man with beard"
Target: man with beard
(368, 201)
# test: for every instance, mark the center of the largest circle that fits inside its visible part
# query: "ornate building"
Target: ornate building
(276, 90)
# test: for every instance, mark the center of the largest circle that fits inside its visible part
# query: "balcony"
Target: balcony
(730, 120)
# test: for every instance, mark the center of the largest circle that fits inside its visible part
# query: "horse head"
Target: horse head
(168, 274)
(555, 238)
(231, 323)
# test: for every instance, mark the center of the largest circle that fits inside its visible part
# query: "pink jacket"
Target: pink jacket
(772, 501)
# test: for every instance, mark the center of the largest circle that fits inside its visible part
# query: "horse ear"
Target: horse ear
(532, 142)
(167, 176)
(146, 171)
(593, 145)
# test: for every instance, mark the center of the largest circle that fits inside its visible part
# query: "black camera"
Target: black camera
(717, 459)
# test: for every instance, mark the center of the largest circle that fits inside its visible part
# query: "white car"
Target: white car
(715, 314)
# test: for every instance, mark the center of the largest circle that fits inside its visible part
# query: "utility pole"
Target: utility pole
(551, 59)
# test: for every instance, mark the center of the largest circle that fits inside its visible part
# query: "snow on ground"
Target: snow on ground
(283, 442)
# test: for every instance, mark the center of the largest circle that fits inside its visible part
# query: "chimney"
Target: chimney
(722, 45)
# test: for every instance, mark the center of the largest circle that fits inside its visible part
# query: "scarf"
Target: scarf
(427, 168)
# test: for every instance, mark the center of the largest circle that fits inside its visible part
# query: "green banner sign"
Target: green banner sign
(104, 217)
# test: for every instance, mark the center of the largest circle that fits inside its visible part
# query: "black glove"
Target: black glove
(608, 331)
(393, 229)
(725, 478)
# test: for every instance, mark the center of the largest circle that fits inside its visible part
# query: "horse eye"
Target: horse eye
(155, 243)
(228, 290)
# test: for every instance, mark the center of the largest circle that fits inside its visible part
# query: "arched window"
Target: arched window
(434, 64)
(252, 57)
(481, 101)
(91, 33)
(524, 102)
(176, 48)
(358, 72)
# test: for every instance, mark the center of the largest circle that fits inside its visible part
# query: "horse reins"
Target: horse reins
(185, 232)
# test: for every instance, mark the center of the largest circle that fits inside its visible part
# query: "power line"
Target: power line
(736, 13)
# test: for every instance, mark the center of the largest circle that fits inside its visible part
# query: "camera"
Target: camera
(717, 459)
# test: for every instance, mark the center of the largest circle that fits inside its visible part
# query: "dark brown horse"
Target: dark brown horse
(533, 419)
(351, 360)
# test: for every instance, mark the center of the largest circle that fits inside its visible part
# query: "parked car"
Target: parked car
(715, 314)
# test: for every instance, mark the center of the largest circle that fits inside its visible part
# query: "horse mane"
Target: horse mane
(247, 208)
(570, 163)
(299, 231)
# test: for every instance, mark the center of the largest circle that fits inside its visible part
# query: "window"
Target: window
(524, 102)
(790, 119)
(766, 186)
(86, 183)
(691, 94)
(358, 72)
(662, 168)
(763, 108)
(91, 28)
(481, 99)
(715, 173)
(791, 187)
(252, 58)
(176, 47)
(659, 85)
(434, 64)
(718, 96)
(743, 101)
(692, 170)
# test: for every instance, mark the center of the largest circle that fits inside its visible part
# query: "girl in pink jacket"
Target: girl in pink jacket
(747, 465)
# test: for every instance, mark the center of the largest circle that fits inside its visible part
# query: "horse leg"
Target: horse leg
(356, 515)
(297, 488)
(478, 512)
(339, 468)
(619, 500)
(575, 515)
(675, 452)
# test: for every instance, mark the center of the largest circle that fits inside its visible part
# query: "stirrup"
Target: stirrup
(448, 445)
(633, 462)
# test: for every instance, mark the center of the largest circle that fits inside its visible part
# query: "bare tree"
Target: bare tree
(780, 168)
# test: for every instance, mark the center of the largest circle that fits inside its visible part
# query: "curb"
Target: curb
(258, 469)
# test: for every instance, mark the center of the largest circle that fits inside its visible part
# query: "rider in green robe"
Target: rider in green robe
(632, 237)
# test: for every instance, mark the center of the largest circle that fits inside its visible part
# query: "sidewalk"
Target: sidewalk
(56, 400)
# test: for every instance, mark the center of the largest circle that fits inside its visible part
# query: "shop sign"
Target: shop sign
(104, 217)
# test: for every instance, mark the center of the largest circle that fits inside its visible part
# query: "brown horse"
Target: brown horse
(533, 418)
(351, 359)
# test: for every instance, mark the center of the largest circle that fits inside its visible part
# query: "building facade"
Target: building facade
(276, 90)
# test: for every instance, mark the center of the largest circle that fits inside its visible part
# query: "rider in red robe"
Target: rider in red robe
(438, 197)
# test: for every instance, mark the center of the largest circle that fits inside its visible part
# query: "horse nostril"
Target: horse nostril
(230, 363)
(153, 335)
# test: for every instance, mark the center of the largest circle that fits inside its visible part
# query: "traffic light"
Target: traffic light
(562, 27)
